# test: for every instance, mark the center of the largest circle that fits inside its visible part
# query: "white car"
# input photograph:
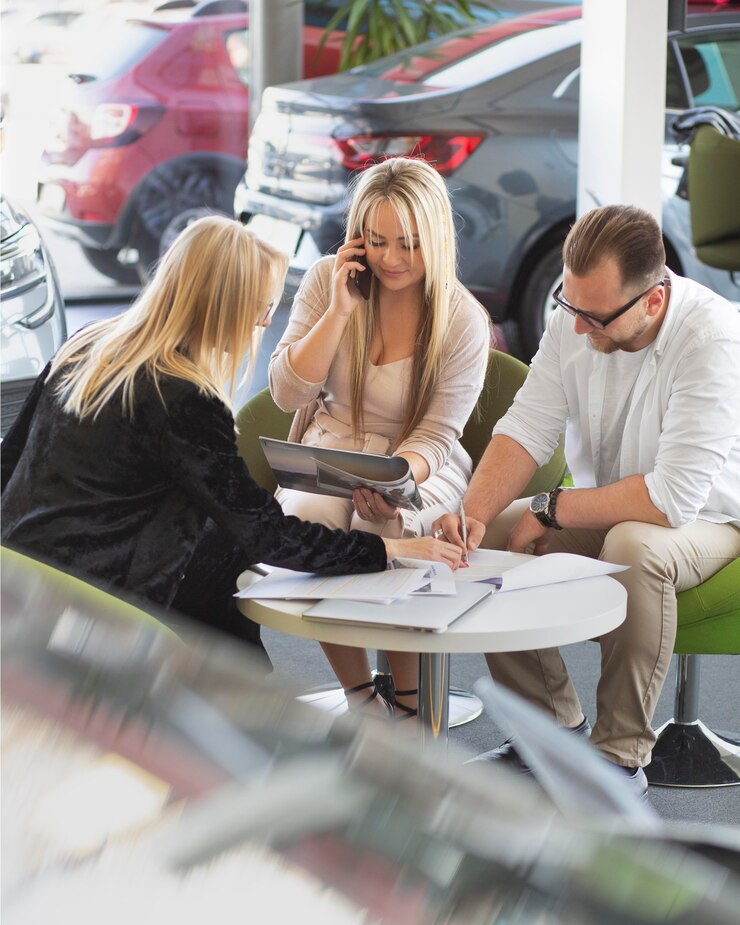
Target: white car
(31, 308)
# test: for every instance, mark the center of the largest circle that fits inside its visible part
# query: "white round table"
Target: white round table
(535, 618)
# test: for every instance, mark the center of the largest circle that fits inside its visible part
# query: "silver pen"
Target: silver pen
(464, 525)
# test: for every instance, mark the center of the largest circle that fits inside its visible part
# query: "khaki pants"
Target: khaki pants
(635, 656)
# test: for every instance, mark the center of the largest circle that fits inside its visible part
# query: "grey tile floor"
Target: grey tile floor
(302, 662)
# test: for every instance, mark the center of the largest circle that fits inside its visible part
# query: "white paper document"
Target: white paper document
(509, 571)
(427, 614)
(378, 587)
(438, 576)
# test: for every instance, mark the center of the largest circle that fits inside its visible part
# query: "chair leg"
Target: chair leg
(688, 753)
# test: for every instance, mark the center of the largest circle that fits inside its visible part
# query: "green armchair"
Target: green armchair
(714, 197)
(688, 753)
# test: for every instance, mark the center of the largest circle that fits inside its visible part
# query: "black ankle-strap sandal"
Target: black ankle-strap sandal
(408, 712)
(369, 698)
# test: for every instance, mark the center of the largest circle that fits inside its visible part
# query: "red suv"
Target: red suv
(154, 125)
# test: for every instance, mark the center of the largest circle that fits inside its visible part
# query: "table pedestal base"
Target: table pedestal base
(463, 708)
(434, 697)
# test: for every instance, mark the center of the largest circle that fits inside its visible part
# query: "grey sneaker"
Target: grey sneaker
(636, 780)
(508, 755)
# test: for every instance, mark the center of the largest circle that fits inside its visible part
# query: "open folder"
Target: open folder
(432, 614)
(325, 471)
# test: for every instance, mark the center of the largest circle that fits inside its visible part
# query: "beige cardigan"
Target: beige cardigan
(463, 369)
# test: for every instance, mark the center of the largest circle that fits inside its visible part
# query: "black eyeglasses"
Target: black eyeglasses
(599, 323)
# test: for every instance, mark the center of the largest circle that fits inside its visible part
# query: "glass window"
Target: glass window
(675, 89)
(713, 70)
(237, 48)
(104, 54)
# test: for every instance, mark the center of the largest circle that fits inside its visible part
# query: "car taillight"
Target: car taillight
(444, 152)
(109, 120)
(117, 124)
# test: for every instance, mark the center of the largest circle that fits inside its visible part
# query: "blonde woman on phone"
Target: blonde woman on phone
(385, 352)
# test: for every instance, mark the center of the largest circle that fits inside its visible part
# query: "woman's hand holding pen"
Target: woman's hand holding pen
(424, 547)
(449, 527)
(345, 294)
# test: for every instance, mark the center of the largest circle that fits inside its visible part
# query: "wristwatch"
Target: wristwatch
(543, 507)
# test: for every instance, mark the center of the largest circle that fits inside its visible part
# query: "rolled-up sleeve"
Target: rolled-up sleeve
(539, 412)
(700, 427)
(461, 381)
(288, 389)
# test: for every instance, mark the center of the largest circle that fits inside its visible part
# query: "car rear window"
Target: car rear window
(116, 52)
(455, 60)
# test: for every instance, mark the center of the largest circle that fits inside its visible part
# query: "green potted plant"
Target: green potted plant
(375, 28)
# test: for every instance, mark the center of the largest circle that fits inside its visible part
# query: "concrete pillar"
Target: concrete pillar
(275, 47)
(622, 103)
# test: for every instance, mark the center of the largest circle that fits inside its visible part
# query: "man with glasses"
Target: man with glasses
(642, 372)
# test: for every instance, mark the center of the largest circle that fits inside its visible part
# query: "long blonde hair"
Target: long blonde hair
(196, 320)
(418, 194)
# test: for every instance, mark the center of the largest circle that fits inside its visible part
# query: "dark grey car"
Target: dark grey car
(496, 108)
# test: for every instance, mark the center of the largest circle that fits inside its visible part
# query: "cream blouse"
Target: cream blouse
(325, 407)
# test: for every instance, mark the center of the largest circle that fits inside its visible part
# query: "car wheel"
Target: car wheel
(175, 190)
(179, 223)
(536, 303)
(107, 263)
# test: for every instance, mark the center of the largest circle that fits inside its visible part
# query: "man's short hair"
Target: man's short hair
(628, 234)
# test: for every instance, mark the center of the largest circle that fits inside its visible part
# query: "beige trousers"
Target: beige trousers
(635, 656)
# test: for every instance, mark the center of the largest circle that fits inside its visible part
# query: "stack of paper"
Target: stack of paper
(510, 571)
(379, 587)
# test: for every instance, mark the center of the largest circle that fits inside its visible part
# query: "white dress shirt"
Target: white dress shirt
(681, 425)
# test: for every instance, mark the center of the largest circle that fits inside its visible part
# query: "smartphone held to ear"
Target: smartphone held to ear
(361, 279)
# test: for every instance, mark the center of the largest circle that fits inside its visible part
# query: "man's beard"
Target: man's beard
(607, 345)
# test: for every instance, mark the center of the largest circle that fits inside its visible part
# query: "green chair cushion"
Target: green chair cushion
(714, 197)
(714, 193)
(261, 417)
(709, 615)
(43, 588)
(724, 255)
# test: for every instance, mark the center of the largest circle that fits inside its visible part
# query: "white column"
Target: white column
(275, 47)
(622, 103)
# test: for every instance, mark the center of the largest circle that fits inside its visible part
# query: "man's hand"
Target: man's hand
(527, 531)
(449, 527)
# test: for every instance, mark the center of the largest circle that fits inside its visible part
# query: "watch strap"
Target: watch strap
(552, 507)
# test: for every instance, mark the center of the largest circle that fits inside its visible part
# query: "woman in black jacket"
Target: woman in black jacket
(123, 466)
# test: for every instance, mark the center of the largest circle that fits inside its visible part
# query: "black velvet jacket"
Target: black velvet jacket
(124, 502)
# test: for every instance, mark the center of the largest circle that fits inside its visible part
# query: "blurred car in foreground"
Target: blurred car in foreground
(495, 109)
(31, 310)
(145, 772)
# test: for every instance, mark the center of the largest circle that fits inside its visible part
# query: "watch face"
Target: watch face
(540, 502)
